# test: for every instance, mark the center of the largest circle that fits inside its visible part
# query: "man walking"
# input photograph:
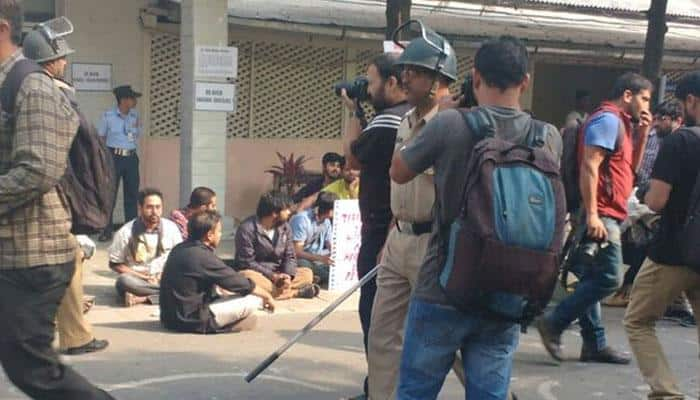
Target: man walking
(370, 150)
(663, 275)
(426, 76)
(608, 161)
(75, 332)
(435, 330)
(121, 128)
(37, 250)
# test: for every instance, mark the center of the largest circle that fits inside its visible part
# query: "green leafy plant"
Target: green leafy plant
(288, 174)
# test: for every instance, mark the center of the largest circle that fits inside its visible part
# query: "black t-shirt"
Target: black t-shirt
(186, 287)
(374, 149)
(677, 164)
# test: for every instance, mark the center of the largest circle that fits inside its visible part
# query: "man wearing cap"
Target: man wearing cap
(426, 76)
(75, 333)
(121, 128)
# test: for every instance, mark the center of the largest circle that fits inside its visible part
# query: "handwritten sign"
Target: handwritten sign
(92, 77)
(214, 96)
(347, 227)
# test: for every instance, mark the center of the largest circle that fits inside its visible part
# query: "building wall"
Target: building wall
(247, 161)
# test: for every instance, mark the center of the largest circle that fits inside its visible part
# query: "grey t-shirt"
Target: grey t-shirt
(445, 144)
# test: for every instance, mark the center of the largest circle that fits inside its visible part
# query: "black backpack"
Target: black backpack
(690, 236)
(89, 182)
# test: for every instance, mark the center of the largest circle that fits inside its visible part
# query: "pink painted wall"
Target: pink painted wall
(247, 161)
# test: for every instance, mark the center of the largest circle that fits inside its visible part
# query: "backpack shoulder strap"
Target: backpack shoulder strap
(13, 81)
(538, 133)
(479, 123)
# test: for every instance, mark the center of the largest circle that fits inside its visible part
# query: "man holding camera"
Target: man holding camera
(370, 150)
(608, 161)
(426, 75)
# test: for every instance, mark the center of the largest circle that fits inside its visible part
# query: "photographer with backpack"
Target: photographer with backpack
(439, 321)
(673, 260)
(608, 159)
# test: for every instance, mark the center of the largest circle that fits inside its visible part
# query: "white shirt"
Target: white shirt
(146, 261)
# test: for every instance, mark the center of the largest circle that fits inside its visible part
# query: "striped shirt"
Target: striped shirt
(374, 148)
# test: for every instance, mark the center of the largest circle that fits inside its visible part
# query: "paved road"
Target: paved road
(144, 362)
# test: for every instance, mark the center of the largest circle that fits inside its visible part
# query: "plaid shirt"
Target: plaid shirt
(35, 221)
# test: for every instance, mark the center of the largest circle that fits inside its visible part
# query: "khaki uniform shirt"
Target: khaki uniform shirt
(413, 201)
(35, 220)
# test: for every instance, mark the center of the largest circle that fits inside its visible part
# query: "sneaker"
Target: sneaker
(550, 339)
(91, 347)
(309, 291)
(688, 321)
(606, 356)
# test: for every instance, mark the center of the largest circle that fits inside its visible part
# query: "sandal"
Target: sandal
(308, 291)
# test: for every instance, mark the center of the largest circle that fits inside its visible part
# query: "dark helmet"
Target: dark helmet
(46, 42)
(430, 51)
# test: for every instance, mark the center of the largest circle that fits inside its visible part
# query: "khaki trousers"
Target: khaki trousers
(73, 329)
(303, 277)
(401, 261)
(655, 287)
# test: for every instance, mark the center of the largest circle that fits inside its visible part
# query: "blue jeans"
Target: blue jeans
(596, 282)
(433, 335)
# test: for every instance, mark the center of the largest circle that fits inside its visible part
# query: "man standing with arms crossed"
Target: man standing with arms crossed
(37, 250)
(426, 75)
(370, 150)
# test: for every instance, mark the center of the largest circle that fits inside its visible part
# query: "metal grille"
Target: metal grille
(166, 88)
(464, 66)
(672, 78)
(238, 123)
(291, 92)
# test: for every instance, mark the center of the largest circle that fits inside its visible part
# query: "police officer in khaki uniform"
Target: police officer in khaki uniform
(427, 72)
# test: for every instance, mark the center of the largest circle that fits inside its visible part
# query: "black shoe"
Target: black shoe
(309, 291)
(688, 321)
(550, 339)
(605, 356)
(90, 347)
(105, 236)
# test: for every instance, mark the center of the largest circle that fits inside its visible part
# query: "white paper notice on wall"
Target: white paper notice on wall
(210, 96)
(391, 47)
(347, 227)
(92, 77)
(216, 62)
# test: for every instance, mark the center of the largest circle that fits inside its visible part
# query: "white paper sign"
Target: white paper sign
(214, 96)
(347, 227)
(217, 62)
(92, 77)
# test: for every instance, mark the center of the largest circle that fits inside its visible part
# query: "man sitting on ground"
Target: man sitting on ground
(311, 233)
(265, 251)
(140, 248)
(201, 199)
(347, 188)
(332, 164)
(201, 294)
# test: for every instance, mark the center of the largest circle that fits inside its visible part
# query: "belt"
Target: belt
(122, 152)
(414, 228)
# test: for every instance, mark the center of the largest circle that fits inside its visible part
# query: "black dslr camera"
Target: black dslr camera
(356, 89)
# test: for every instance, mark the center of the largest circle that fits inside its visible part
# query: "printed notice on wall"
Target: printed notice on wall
(214, 96)
(216, 62)
(347, 227)
(92, 77)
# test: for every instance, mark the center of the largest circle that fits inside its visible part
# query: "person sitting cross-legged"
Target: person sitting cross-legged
(140, 248)
(265, 251)
(311, 233)
(201, 199)
(201, 294)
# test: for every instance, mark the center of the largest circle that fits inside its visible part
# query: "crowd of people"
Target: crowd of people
(637, 190)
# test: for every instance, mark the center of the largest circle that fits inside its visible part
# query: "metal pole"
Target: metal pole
(274, 356)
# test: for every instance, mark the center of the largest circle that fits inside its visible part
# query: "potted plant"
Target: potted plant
(289, 174)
